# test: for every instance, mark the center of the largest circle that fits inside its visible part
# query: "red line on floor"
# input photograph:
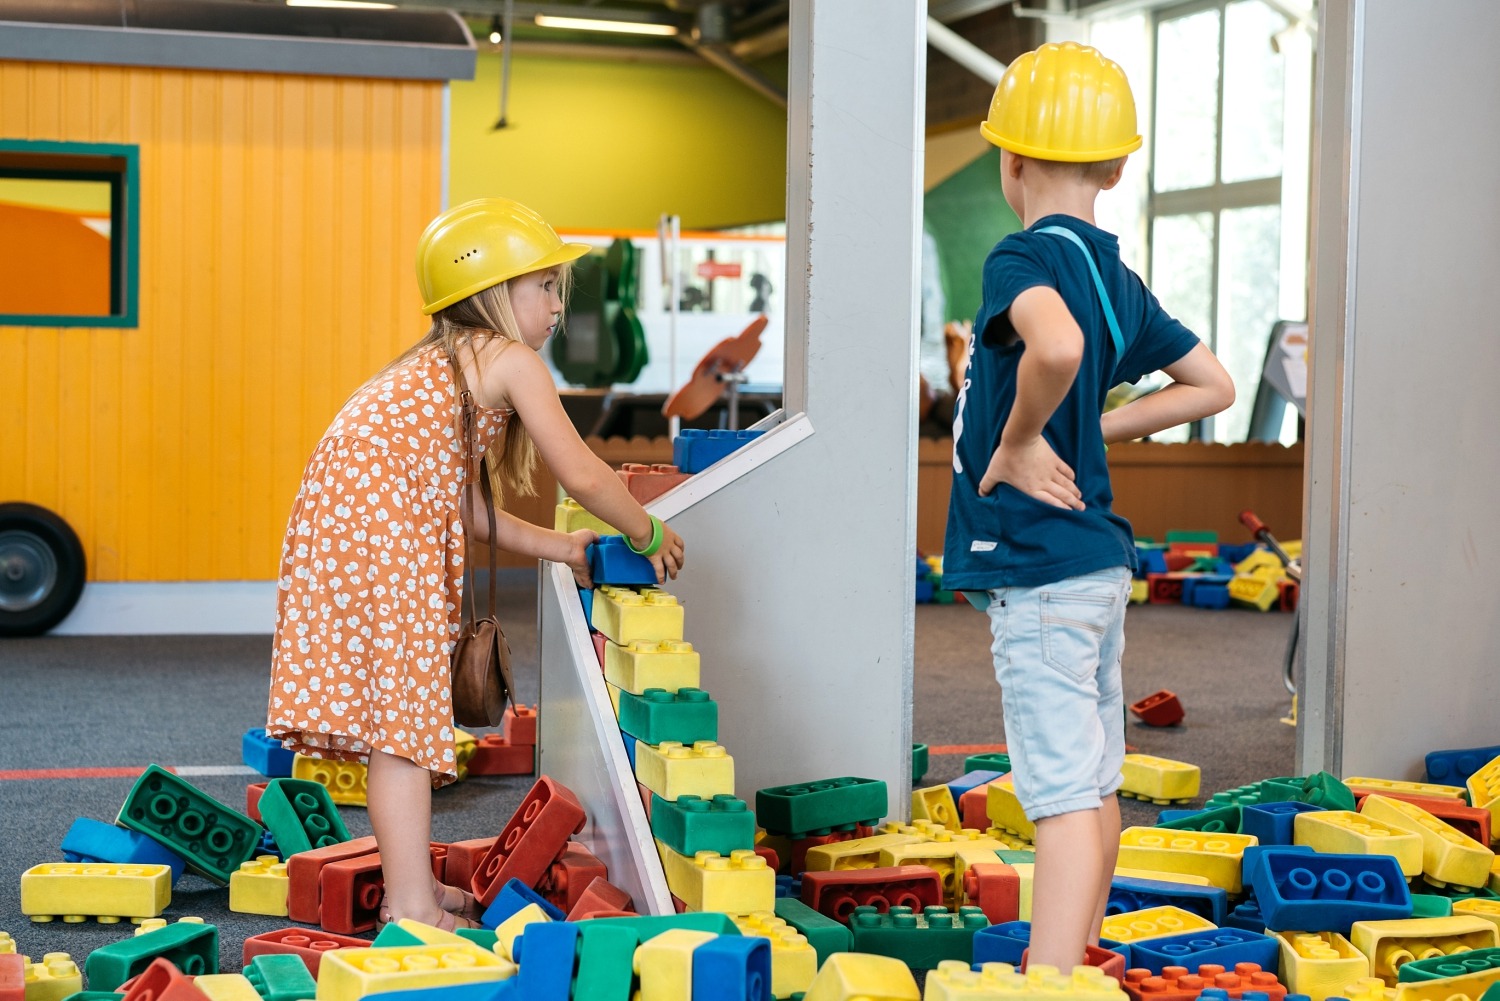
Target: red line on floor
(73, 773)
(966, 748)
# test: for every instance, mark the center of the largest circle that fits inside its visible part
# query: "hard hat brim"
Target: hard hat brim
(1064, 156)
(564, 254)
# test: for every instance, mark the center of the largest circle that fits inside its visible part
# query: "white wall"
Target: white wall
(1403, 652)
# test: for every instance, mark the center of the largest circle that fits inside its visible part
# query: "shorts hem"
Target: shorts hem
(1062, 806)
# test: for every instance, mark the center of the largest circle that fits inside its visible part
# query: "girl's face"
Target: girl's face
(537, 306)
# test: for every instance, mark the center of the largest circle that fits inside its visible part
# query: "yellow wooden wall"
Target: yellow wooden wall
(278, 220)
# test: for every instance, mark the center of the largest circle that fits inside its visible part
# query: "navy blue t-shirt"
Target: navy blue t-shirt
(1010, 539)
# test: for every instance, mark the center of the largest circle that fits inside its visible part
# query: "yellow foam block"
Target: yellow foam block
(846, 976)
(1153, 922)
(226, 987)
(1320, 964)
(953, 979)
(1480, 908)
(924, 829)
(1389, 944)
(938, 856)
(1256, 592)
(350, 974)
(570, 516)
(464, 746)
(1140, 592)
(1344, 832)
(664, 964)
(430, 935)
(672, 770)
(1005, 812)
(614, 697)
(794, 963)
(739, 883)
(1216, 857)
(511, 928)
(1027, 873)
(935, 803)
(8, 944)
(1448, 856)
(643, 664)
(259, 887)
(344, 780)
(624, 615)
(76, 891)
(1484, 792)
(1494, 883)
(1369, 989)
(1469, 987)
(53, 979)
(857, 853)
(1160, 780)
(1431, 791)
(1186, 878)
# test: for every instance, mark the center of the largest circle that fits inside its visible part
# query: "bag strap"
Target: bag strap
(1109, 309)
(475, 465)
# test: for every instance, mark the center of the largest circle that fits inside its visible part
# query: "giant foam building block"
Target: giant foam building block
(1004, 982)
(571, 516)
(794, 961)
(1320, 964)
(259, 887)
(648, 482)
(265, 754)
(1273, 823)
(1152, 922)
(922, 939)
(280, 978)
(351, 974)
(1447, 855)
(995, 888)
(1390, 944)
(190, 946)
(735, 969)
(512, 897)
(547, 952)
(93, 841)
(1361, 786)
(626, 616)
(1222, 820)
(818, 807)
(612, 561)
(1454, 767)
(665, 964)
(1326, 892)
(1340, 831)
(691, 824)
(308, 945)
(1160, 780)
(349, 894)
(1465, 819)
(838, 893)
(1211, 982)
(347, 782)
(304, 874)
(1161, 708)
(1214, 856)
(605, 958)
(739, 883)
(1005, 811)
(567, 878)
(211, 838)
(670, 665)
(74, 891)
(160, 981)
(1223, 947)
(535, 835)
(301, 815)
(673, 770)
(857, 853)
(850, 975)
(1129, 893)
(694, 450)
(656, 715)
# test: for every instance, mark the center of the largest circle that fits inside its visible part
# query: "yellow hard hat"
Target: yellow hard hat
(482, 243)
(1063, 102)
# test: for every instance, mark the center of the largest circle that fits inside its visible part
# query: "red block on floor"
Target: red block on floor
(1175, 982)
(995, 888)
(12, 976)
(972, 806)
(1193, 550)
(494, 755)
(569, 876)
(773, 861)
(519, 725)
(464, 858)
(600, 898)
(161, 981)
(536, 834)
(1111, 962)
(253, 792)
(1166, 588)
(351, 891)
(305, 943)
(304, 869)
(1286, 595)
(1160, 709)
(646, 483)
(1178, 561)
(837, 893)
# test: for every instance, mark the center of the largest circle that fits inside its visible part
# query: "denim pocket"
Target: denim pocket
(1074, 622)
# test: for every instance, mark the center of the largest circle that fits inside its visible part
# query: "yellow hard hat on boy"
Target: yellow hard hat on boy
(482, 243)
(1063, 102)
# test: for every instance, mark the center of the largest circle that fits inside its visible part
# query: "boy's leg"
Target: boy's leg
(1109, 837)
(1069, 858)
(399, 794)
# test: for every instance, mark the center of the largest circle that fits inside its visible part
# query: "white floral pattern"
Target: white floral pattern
(371, 581)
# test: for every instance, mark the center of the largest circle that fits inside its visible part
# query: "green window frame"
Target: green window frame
(113, 163)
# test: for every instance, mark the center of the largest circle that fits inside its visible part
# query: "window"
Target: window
(69, 234)
(1224, 88)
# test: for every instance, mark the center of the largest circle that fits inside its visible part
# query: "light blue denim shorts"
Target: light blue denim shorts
(1057, 655)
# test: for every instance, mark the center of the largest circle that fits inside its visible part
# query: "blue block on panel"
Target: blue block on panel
(1129, 894)
(513, 896)
(1327, 892)
(732, 968)
(94, 841)
(1222, 946)
(586, 598)
(1272, 823)
(265, 754)
(546, 952)
(1453, 768)
(611, 561)
(1002, 943)
(971, 780)
(630, 743)
(1247, 916)
(695, 450)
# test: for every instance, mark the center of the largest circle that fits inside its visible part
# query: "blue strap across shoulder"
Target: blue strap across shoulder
(1109, 309)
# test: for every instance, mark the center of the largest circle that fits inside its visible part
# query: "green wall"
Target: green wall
(967, 216)
(612, 145)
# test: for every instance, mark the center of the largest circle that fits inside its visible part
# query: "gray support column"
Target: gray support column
(1402, 625)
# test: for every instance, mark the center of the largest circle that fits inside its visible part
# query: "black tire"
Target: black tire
(42, 569)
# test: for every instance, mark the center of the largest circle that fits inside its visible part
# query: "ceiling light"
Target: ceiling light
(595, 24)
(355, 4)
(495, 36)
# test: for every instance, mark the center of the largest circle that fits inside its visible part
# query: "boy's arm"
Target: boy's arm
(1200, 387)
(1054, 350)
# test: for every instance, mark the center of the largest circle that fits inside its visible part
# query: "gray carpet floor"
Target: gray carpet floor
(78, 702)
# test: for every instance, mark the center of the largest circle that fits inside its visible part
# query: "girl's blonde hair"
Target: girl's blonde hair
(461, 327)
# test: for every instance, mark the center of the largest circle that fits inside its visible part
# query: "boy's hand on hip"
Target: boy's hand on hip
(1035, 470)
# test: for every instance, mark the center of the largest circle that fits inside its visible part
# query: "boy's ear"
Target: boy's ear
(1010, 164)
(1115, 175)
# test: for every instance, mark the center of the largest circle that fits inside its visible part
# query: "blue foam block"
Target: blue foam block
(1223, 946)
(694, 450)
(1123, 948)
(1246, 916)
(611, 561)
(971, 780)
(1206, 592)
(1453, 768)
(1129, 894)
(1002, 943)
(1327, 892)
(513, 896)
(1167, 816)
(1151, 560)
(789, 886)
(733, 969)
(586, 598)
(266, 755)
(94, 841)
(1273, 823)
(630, 743)
(545, 952)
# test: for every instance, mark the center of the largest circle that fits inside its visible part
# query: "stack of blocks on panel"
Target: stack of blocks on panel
(694, 450)
(1195, 568)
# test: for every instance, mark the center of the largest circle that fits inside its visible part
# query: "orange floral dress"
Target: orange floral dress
(371, 581)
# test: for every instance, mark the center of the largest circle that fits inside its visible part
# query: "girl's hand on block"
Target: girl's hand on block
(669, 558)
(1035, 470)
(577, 559)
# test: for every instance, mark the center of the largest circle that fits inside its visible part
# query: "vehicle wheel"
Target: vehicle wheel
(41, 569)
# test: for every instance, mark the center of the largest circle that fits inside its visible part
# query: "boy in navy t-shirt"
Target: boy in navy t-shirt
(1029, 522)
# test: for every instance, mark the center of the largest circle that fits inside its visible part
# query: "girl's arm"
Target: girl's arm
(528, 385)
(515, 535)
(1200, 387)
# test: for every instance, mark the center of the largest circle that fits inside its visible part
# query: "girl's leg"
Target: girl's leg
(399, 795)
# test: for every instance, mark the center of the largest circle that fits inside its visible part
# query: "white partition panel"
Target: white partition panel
(1403, 652)
(800, 546)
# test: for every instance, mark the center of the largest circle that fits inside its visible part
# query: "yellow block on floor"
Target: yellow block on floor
(1344, 832)
(1428, 789)
(737, 883)
(664, 964)
(1187, 878)
(1216, 857)
(1479, 908)
(226, 987)
(512, 928)
(1484, 791)
(259, 887)
(1388, 944)
(1448, 856)
(1004, 810)
(794, 963)
(1153, 922)
(351, 974)
(53, 979)
(345, 781)
(672, 770)
(935, 803)
(857, 976)
(1160, 780)
(77, 891)
(1320, 964)
(953, 980)
(856, 853)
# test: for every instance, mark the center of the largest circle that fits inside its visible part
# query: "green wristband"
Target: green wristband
(654, 544)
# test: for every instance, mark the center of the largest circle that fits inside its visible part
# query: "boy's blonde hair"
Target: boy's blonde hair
(485, 315)
(1097, 173)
